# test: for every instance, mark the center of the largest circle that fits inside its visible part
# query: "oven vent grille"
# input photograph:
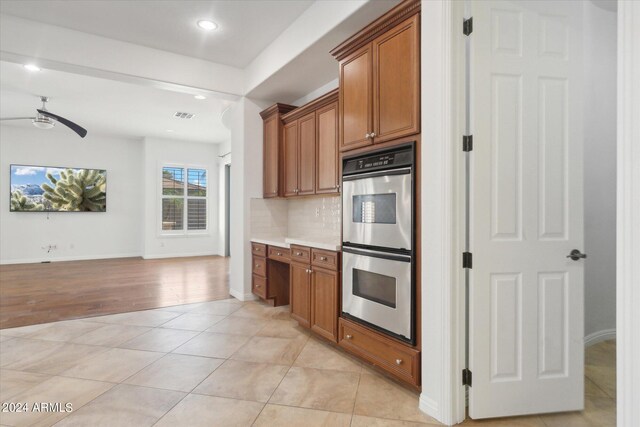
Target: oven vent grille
(182, 115)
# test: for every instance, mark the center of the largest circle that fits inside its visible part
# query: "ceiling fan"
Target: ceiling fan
(46, 120)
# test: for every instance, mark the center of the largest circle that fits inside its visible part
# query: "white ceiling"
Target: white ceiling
(109, 107)
(245, 27)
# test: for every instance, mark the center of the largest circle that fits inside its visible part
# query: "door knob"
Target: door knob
(576, 255)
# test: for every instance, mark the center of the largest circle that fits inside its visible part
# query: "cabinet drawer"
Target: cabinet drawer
(258, 249)
(301, 254)
(279, 254)
(395, 358)
(259, 286)
(324, 259)
(259, 266)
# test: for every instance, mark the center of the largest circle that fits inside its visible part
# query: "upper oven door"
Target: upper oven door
(377, 209)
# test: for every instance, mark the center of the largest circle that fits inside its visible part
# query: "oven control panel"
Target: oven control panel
(381, 161)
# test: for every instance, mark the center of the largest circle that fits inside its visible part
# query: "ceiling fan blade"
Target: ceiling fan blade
(16, 118)
(68, 123)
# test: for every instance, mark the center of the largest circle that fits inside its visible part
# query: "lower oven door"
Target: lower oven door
(377, 288)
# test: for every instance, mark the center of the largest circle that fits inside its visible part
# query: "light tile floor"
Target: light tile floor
(224, 363)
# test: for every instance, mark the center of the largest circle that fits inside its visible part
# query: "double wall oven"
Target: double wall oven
(378, 205)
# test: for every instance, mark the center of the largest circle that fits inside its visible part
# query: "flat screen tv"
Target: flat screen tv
(55, 189)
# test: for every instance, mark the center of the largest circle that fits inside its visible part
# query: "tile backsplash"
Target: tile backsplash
(269, 217)
(317, 217)
(313, 217)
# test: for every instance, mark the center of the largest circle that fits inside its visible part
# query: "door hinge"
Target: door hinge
(467, 260)
(467, 26)
(467, 143)
(466, 377)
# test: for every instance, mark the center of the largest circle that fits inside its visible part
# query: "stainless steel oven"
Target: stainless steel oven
(378, 240)
(377, 289)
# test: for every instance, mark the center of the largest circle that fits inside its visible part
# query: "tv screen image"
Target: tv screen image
(55, 189)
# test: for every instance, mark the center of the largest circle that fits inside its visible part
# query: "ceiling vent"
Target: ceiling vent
(182, 115)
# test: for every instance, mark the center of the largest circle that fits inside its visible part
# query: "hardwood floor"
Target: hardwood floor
(40, 293)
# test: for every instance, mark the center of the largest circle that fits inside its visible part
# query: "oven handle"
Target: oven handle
(376, 254)
(403, 171)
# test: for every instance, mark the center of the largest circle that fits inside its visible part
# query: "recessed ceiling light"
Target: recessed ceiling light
(169, 130)
(31, 67)
(207, 25)
(200, 97)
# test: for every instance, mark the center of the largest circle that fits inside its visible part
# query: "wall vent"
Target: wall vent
(182, 115)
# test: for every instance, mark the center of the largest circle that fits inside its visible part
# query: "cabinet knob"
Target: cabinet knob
(398, 361)
(257, 265)
(298, 253)
(323, 258)
(279, 253)
(348, 336)
(258, 286)
(367, 135)
(372, 135)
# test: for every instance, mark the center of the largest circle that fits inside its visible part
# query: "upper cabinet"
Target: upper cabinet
(380, 80)
(272, 149)
(310, 148)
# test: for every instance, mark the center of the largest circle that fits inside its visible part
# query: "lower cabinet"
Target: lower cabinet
(314, 291)
(324, 303)
(300, 299)
(398, 359)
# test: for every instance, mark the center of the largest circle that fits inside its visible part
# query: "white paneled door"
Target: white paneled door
(526, 344)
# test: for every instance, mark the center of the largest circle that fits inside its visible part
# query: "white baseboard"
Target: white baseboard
(596, 337)
(178, 255)
(242, 296)
(67, 258)
(429, 406)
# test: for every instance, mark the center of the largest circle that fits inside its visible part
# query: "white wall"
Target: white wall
(600, 29)
(114, 233)
(246, 182)
(160, 152)
(322, 90)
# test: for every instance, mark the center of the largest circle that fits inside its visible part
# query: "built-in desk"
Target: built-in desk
(270, 278)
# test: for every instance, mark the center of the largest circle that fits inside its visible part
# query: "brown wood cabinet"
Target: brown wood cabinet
(300, 299)
(380, 80)
(272, 149)
(270, 273)
(327, 160)
(325, 302)
(397, 359)
(310, 160)
(315, 284)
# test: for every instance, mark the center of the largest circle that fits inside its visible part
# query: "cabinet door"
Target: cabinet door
(356, 116)
(324, 303)
(307, 158)
(396, 82)
(290, 163)
(300, 281)
(327, 179)
(271, 148)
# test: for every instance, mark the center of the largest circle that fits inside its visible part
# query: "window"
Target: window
(184, 196)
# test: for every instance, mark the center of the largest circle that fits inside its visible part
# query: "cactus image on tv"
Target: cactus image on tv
(38, 189)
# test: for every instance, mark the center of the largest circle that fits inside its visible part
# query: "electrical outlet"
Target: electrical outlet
(317, 212)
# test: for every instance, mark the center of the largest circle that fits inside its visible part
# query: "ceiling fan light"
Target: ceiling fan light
(43, 123)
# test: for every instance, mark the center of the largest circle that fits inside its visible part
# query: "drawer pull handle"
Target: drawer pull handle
(323, 258)
(398, 361)
(348, 336)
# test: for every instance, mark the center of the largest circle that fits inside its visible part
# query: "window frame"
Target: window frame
(185, 197)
